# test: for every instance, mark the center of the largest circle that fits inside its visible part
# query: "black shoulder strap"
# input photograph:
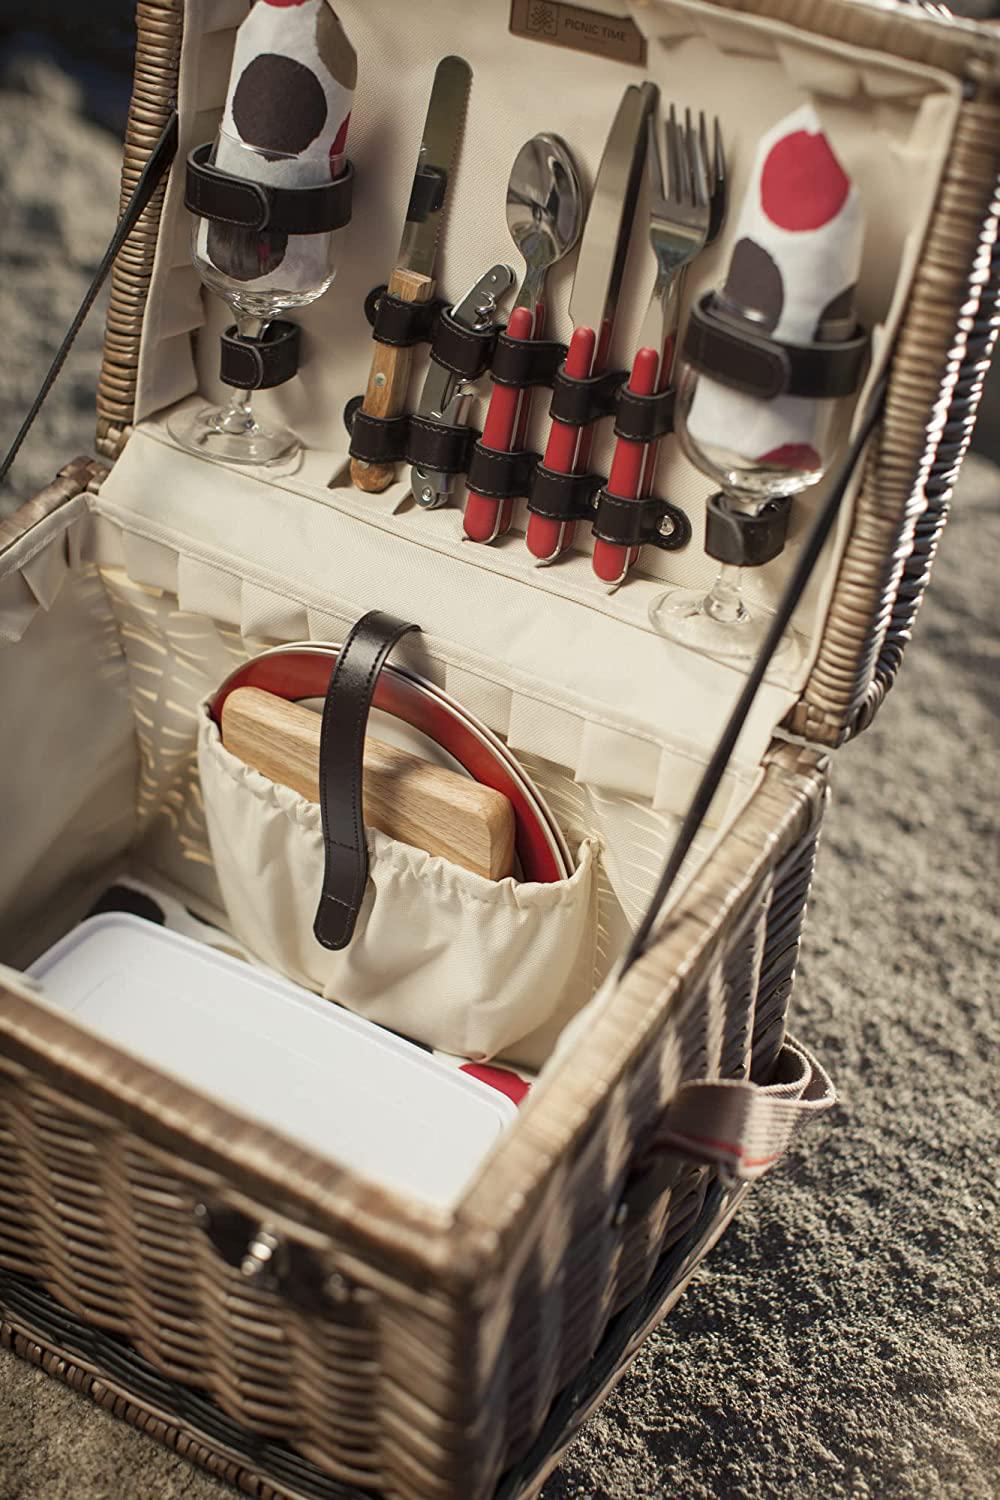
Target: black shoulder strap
(152, 173)
(714, 771)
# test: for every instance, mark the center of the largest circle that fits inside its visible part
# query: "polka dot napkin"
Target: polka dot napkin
(795, 262)
(289, 101)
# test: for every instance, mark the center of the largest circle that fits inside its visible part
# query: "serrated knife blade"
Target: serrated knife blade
(412, 279)
(435, 162)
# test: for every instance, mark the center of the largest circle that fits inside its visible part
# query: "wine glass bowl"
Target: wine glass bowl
(260, 273)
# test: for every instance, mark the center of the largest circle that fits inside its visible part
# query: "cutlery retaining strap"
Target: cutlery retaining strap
(563, 497)
(218, 195)
(644, 419)
(747, 359)
(403, 324)
(379, 440)
(341, 771)
(257, 364)
(464, 351)
(578, 402)
(627, 522)
(437, 447)
(524, 362)
(500, 475)
(745, 540)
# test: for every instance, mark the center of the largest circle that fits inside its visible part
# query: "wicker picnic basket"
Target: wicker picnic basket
(392, 1350)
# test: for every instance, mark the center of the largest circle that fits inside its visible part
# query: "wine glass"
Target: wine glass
(260, 273)
(731, 438)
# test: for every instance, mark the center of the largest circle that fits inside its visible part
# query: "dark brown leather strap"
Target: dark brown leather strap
(215, 194)
(341, 769)
(260, 363)
(736, 354)
(379, 440)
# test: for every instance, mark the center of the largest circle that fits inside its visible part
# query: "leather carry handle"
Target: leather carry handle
(341, 773)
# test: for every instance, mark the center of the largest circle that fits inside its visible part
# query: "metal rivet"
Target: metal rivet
(668, 526)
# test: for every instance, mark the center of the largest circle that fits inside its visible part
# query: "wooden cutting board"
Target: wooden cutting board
(426, 806)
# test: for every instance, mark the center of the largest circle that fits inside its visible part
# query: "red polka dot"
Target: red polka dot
(498, 1078)
(793, 456)
(802, 185)
(337, 149)
(285, 4)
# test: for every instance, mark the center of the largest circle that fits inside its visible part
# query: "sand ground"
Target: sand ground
(843, 1338)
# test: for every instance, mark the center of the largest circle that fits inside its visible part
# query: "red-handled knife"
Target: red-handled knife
(594, 299)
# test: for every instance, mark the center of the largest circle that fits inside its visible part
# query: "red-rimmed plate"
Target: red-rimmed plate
(299, 671)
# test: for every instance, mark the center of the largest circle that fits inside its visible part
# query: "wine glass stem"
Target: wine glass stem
(723, 602)
(248, 326)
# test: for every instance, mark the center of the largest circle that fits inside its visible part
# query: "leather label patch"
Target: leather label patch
(562, 25)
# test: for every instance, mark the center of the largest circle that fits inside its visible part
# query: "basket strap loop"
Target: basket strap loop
(341, 772)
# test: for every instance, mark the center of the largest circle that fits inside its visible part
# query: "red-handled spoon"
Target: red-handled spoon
(612, 562)
(547, 538)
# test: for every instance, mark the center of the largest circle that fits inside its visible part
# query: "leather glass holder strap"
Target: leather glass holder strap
(214, 194)
(745, 540)
(501, 475)
(563, 497)
(434, 445)
(466, 352)
(258, 364)
(524, 362)
(644, 419)
(736, 354)
(580, 402)
(341, 771)
(640, 523)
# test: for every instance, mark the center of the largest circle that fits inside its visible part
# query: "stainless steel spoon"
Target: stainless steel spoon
(544, 212)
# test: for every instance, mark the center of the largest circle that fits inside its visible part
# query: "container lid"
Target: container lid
(370, 1101)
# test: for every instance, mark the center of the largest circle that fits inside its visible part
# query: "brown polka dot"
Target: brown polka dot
(278, 104)
(754, 283)
(334, 48)
(245, 254)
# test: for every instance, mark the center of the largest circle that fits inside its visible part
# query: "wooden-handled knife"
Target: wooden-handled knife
(413, 278)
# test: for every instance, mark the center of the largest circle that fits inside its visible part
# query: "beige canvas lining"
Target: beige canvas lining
(890, 121)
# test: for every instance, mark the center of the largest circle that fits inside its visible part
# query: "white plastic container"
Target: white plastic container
(278, 1054)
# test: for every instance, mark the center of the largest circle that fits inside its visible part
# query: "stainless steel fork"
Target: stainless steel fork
(686, 209)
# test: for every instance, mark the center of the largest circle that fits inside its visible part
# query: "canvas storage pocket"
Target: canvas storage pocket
(438, 953)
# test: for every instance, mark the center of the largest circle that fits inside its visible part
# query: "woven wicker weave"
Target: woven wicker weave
(402, 1354)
